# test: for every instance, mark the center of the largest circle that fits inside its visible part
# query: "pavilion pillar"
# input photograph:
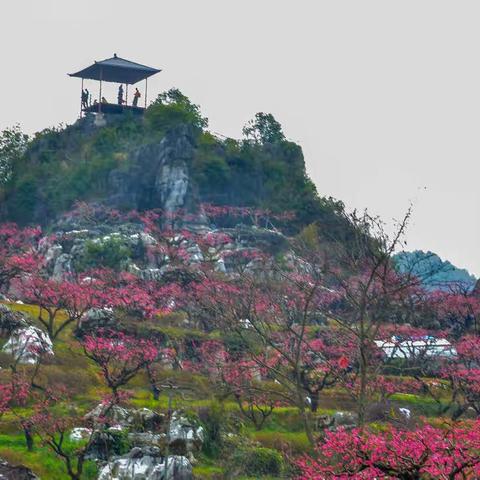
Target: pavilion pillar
(100, 93)
(146, 90)
(126, 94)
(81, 101)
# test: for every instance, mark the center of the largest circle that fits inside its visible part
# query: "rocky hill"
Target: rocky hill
(192, 309)
(167, 160)
(435, 273)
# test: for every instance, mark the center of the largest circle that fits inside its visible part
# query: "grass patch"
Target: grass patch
(420, 405)
(207, 472)
(41, 461)
(294, 443)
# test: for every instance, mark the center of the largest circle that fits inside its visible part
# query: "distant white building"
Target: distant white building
(427, 346)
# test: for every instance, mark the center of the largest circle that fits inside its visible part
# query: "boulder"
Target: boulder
(323, 422)
(15, 472)
(112, 415)
(80, 433)
(146, 439)
(51, 256)
(146, 420)
(95, 319)
(63, 268)
(138, 420)
(28, 344)
(147, 464)
(388, 412)
(406, 412)
(184, 437)
(345, 420)
(106, 443)
(10, 321)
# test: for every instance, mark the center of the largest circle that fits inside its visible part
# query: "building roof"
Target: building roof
(116, 70)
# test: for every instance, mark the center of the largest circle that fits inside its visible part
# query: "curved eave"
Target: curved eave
(115, 75)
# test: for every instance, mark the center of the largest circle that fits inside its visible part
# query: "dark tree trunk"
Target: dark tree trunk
(28, 438)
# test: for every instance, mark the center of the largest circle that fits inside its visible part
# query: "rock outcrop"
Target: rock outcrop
(159, 175)
(147, 434)
(141, 419)
(95, 319)
(185, 436)
(15, 472)
(69, 248)
(27, 344)
(10, 321)
(147, 464)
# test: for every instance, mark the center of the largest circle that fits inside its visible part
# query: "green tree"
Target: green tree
(173, 108)
(13, 144)
(264, 129)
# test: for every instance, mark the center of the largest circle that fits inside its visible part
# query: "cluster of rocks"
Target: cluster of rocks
(148, 436)
(15, 472)
(67, 248)
(147, 464)
(25, 343)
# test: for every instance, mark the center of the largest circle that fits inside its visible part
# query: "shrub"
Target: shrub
(109, 253)
(258, 461)
(213, 421)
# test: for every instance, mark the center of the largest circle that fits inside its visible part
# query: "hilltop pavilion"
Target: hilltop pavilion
(115, 70)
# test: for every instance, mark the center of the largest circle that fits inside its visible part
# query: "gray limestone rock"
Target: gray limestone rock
(10, 321)
(147, 464)
(27, 344)
(63, 268)
(15, 472)
(94, 319)
(158, 176)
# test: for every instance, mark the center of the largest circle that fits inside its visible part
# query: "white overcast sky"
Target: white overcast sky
(383, 96)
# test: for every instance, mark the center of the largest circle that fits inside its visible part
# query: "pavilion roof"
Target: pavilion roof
(116, 70)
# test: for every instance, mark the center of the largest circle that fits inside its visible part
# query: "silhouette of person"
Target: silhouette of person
(85, 96)
(136, 96)
(120, 95)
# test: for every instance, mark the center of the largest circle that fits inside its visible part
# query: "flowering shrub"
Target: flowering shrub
(425, 453)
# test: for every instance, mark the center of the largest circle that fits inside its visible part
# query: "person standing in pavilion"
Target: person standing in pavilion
(136, 96)
(85, 95)
(120, 95)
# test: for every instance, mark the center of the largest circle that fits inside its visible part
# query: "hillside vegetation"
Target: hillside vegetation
(176, 306)
(44, 176)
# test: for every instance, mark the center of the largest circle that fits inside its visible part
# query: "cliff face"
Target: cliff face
(158, 175)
